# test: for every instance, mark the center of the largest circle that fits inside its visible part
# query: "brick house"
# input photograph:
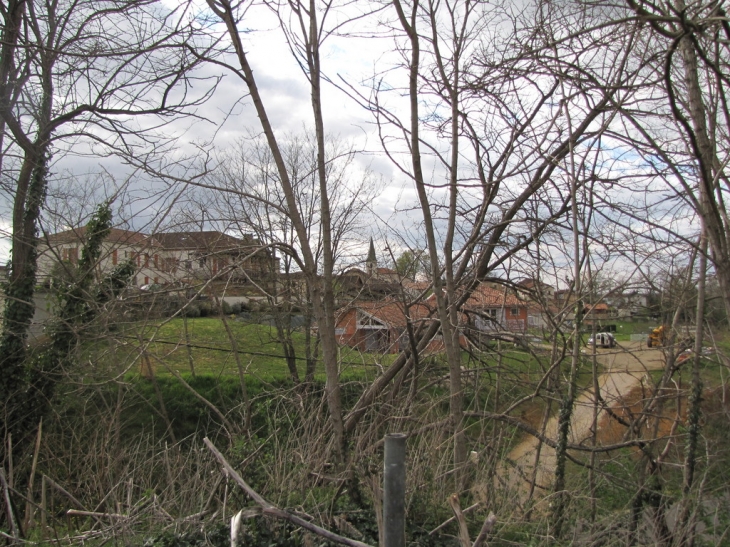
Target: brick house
(381, 326)
(494, 310)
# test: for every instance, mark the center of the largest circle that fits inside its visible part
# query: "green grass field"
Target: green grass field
(167, 348)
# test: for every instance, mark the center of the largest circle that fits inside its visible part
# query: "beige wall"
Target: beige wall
(112, 255)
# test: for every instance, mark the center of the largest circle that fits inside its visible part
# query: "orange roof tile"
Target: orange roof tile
(487, 297)
(392, 313)
(116, 235)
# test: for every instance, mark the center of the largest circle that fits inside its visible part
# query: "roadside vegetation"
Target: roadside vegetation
(522, 174)
(128, 434)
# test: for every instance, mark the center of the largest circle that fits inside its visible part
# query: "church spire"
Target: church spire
(371, 263)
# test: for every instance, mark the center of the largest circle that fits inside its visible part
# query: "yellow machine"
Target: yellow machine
(659, 337)
(656, 338)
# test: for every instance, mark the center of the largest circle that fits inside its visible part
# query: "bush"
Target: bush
(192, 311)
(205, 309)
(236, 308)
(172, 305)
(226, 307)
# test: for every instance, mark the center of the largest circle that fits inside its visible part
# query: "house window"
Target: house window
(73, 255)
(146, 260)
(156, 261)
(115, 257)
(146, 280)
(169, 264)
(515, 312)
(201, 263)
(492, 313)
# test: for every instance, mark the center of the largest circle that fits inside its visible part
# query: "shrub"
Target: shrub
(192, 311)
(205, 309)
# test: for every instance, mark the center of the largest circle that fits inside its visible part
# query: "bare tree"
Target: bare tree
(492, 160)
(251, 201)
(305, 24)
(76, 75)
(680, 127)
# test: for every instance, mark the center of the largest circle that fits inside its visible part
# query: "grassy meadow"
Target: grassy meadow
(204, 347)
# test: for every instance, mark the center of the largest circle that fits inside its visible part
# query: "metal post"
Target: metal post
(394, 491)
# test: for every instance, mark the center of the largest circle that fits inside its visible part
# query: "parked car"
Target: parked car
(603, 340)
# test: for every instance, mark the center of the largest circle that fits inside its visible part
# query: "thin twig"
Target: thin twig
(95, 514)
(452, 519)
(28, 518)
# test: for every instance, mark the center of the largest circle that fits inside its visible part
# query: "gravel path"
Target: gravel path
(625, 367)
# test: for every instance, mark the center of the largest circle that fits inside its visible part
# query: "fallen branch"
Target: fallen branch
(463, 529)
(452, 519)
(268, 509)
(79, 513)
(487, 528)
(14, 529)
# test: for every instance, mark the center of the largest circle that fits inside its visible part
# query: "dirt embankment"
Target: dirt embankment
(626, 368)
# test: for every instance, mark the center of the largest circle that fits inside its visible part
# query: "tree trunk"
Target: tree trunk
(708, 163)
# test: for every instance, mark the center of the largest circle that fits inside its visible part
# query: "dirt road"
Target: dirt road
(626, 367)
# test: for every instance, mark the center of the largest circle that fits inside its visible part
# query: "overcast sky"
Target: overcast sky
(229, 114)
(368, 53)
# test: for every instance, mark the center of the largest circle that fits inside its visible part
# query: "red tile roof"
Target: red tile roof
(487, 297)
(210, 240)
(417, 285)
(392, 313)
(116, 235)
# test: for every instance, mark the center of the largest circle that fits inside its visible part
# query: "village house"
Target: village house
(371, 283)
(598, 311)
(162, 258)
(629, 303)
(381, 326)
(59, 251)
(196, 256)
(494, 310)
(535, 290)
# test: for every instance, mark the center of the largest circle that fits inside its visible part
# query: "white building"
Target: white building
(162, 258)
(63, 249)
